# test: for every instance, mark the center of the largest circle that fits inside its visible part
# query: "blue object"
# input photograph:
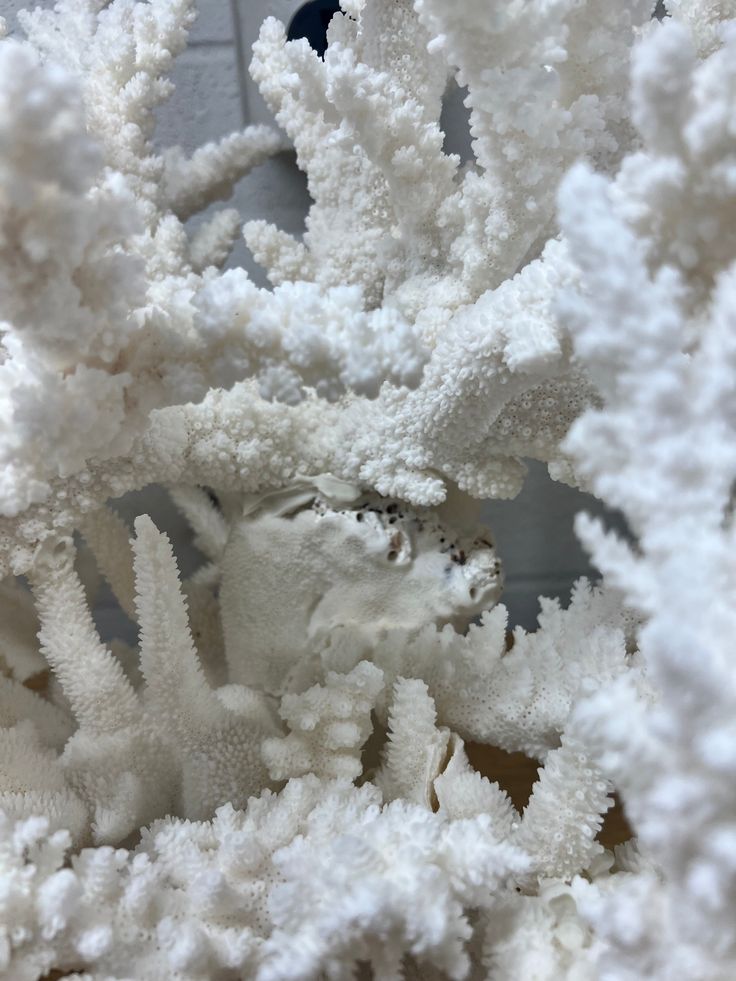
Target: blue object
(311, 21)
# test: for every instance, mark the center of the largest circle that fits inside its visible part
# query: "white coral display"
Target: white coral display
(292, 768)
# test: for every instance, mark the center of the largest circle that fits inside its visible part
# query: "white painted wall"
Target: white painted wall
(215, 95)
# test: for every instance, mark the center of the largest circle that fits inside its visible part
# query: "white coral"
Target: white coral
(329, 724)
(249, 877)
(659, 339)
(275, 782)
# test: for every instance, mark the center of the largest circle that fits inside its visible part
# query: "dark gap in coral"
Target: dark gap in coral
(515, 773)
(660, 11)
(373, 750)
(616, 828)
(38, 682)
(455, 122)
(311, 22)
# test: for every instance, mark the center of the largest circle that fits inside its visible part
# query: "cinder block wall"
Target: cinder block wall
(215, 95)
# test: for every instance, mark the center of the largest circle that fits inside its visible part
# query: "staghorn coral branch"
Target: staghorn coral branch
(93, 681)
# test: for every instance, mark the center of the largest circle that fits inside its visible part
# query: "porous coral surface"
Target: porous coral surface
(291, 766)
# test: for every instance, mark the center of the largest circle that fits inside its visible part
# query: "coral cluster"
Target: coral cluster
(278, 773)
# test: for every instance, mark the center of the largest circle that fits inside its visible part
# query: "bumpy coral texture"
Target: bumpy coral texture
(292, 767)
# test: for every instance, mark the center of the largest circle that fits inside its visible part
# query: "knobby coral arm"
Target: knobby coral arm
(291, 768)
